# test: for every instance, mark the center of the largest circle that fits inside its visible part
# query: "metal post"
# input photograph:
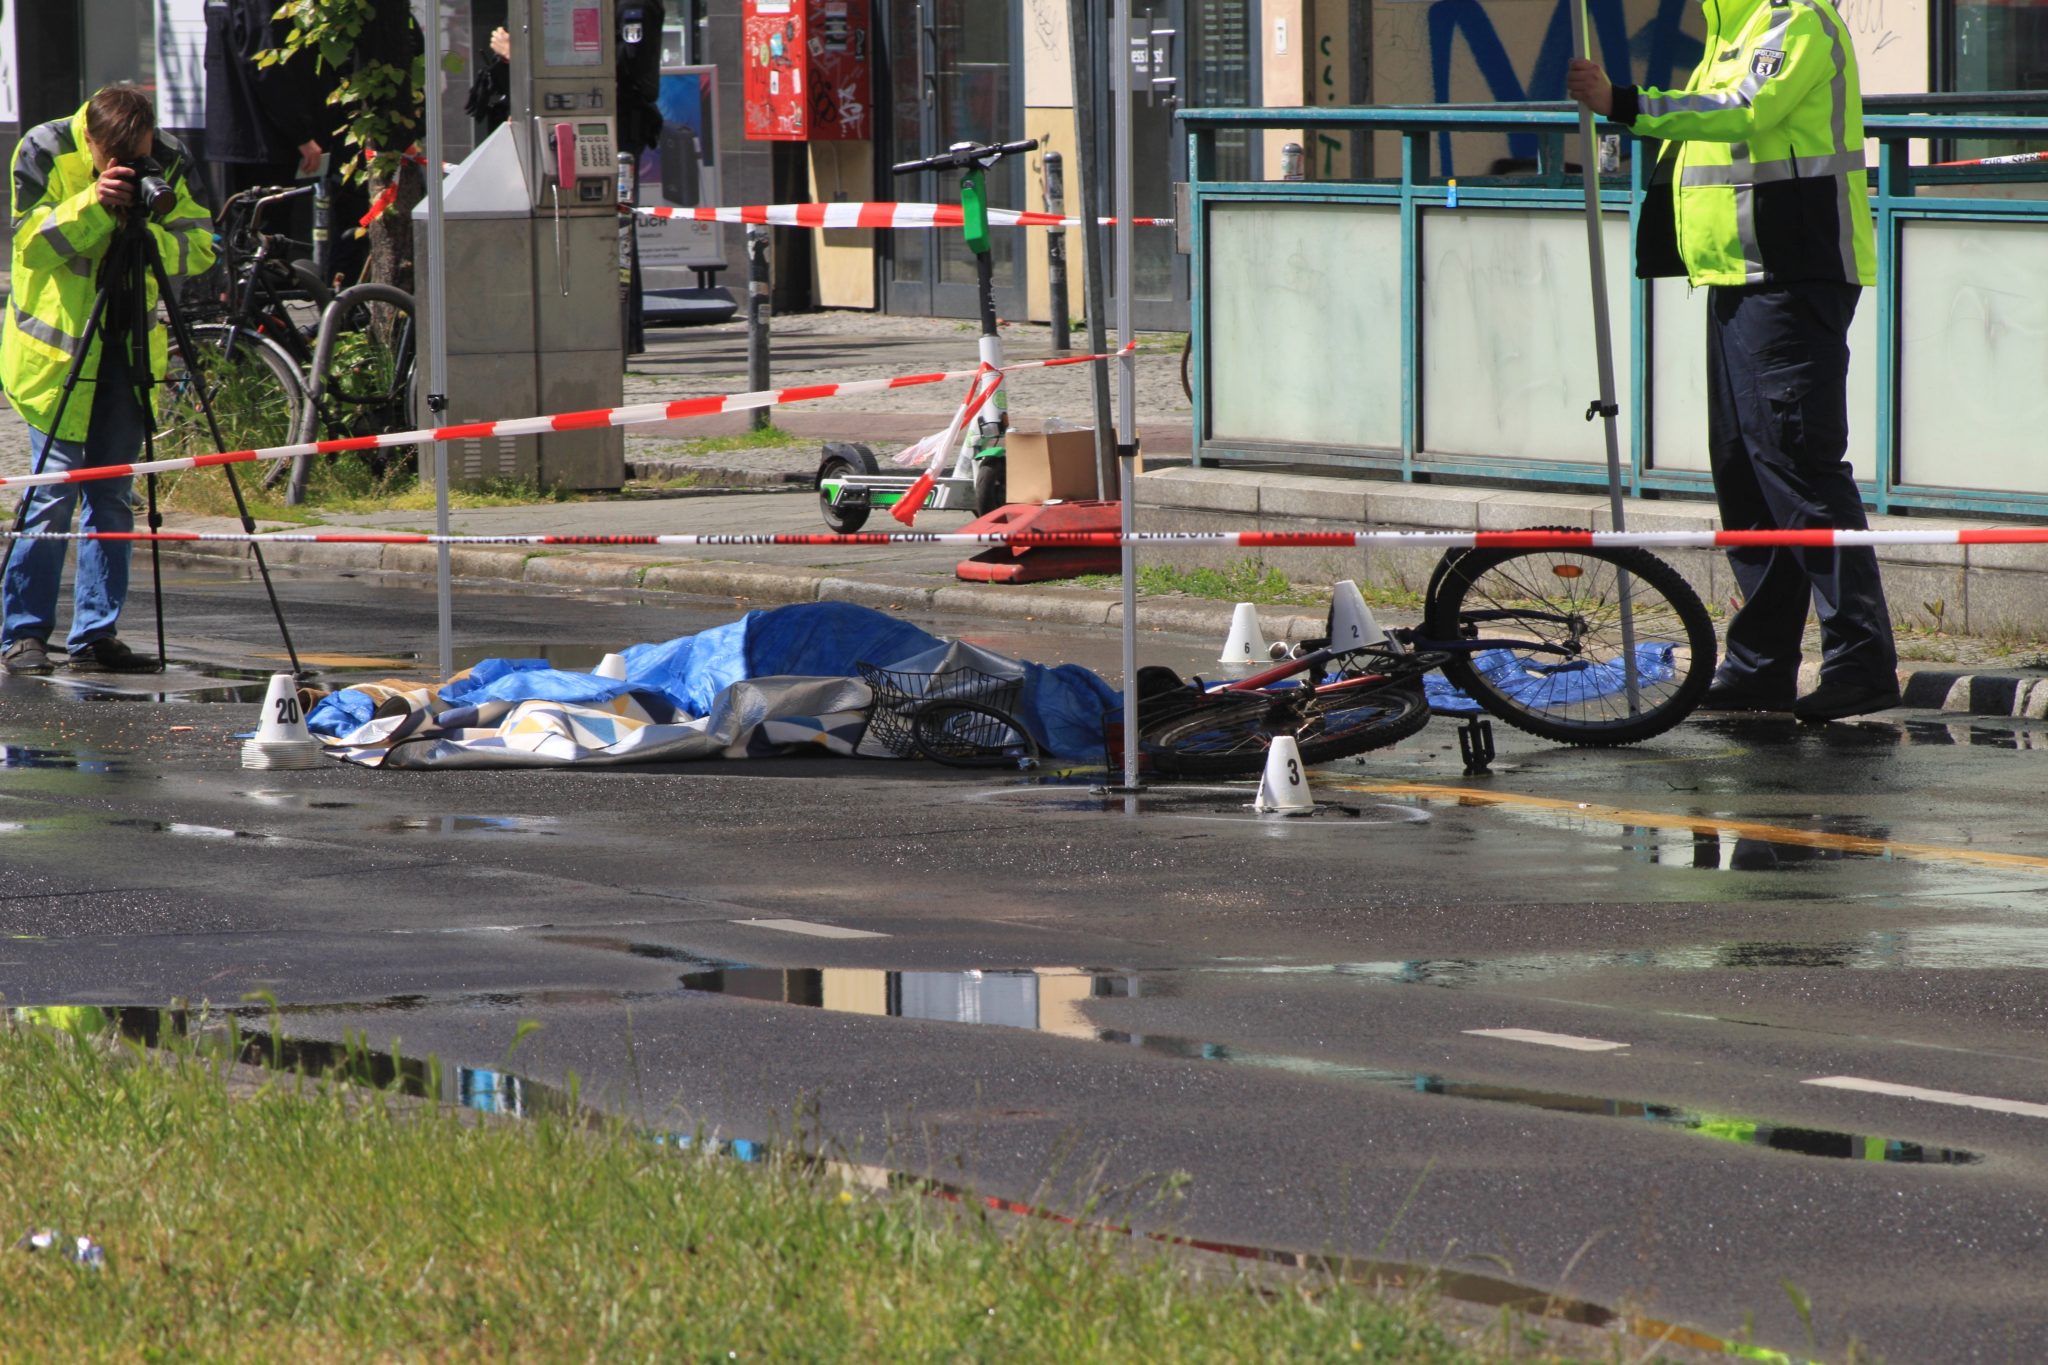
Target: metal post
(437, 335)
(1127, 380)
(1081, 25)
(757, 317)
(1291, 162)
(1056, 248)
(1605, 408)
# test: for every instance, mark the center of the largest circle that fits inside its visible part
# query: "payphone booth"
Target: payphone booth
(532, 239)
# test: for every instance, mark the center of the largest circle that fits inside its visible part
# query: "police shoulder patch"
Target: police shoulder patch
(1767, 62)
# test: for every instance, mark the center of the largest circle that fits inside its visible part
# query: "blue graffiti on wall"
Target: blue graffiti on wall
(1658, 50)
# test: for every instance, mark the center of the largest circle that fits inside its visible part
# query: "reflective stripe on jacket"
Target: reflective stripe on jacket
(1762, 177)
(61, 234)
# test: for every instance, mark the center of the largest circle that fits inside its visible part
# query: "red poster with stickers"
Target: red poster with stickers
(805, 75)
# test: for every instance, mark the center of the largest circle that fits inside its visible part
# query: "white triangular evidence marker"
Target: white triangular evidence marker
(1284, 787)
(1351, 622)
(1244, 644)
(612, 666)
(283, 719)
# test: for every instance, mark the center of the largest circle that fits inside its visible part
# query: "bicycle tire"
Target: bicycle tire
(253, 387)
(1567, 602)
(968, 734)
(1228, 736)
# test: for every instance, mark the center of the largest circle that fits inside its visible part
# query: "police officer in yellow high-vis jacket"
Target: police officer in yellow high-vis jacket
(73, 195)
(1760, 194)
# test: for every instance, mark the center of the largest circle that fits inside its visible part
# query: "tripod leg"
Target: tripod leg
(156, 570)
(182, 335)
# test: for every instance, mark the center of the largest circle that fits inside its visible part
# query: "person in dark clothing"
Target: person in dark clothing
(265, 125)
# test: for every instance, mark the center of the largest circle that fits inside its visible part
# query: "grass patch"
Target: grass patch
(341, 484)
(313, 1220)
(767, 438)
(1245, 581)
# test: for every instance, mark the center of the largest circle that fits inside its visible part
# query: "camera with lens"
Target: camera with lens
(152, 188)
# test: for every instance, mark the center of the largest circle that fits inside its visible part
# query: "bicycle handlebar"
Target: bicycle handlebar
(961, 155)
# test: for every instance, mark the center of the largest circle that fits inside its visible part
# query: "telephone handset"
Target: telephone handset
(582, 166)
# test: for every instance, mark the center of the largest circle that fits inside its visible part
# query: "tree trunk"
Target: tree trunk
(391, 245)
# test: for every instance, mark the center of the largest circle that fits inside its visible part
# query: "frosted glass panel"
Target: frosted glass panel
(1973, 356)
(1678, 380)
(1507, 333)
(1304, 324)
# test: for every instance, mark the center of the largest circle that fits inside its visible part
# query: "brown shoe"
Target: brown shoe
(27, 655)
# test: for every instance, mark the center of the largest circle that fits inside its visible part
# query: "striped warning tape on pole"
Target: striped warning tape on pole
(631, 415)
(876, 215)
(1248, 540)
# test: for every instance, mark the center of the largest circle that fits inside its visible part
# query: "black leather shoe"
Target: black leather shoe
(1737, 697)
(1840, 700)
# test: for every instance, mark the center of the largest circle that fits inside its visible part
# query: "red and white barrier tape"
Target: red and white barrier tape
(632, 415)
(872, 216)
(2016, 159)
(1249, 540)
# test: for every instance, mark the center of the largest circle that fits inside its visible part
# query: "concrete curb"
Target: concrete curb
(1956, 692)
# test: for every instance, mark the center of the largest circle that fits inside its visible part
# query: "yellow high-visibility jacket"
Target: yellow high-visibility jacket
(1762, 177)
(61, 234)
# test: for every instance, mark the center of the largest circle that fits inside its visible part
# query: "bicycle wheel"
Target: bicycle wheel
(1554, 663)
(253, 389)
(1339, 721)
(966, 734)
(1227, 736)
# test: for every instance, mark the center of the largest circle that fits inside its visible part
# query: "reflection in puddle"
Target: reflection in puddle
(84, 761)
(471, 824)
(1050, 1000)
(181, 683)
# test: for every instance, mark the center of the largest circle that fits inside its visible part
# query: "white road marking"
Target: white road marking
(2025, 1108)
(1564, 1040)
(804, 926)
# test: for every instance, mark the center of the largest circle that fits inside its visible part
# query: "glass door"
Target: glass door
(1197, 53)
(952, 78)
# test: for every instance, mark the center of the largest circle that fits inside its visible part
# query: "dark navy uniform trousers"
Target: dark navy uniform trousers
(1778, 434)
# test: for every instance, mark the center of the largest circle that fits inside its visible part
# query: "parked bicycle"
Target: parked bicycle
(1538, 638)
(274, 377)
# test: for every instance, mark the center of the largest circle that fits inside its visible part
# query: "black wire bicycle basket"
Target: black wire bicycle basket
(900, 696)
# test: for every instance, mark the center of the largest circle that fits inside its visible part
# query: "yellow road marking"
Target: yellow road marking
(1745, 829)
(347, 660)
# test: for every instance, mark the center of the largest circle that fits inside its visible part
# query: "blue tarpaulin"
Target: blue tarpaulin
(1063, 707)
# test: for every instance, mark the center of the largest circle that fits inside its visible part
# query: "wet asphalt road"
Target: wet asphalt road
(1051, 992)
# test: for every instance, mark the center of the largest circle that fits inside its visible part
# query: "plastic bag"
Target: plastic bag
(919, 455)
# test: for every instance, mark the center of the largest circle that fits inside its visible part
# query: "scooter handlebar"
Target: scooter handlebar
(961, 155)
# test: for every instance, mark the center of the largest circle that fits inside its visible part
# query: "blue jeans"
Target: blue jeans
(35, 569)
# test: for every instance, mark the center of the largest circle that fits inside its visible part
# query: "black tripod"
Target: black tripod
(120, 309)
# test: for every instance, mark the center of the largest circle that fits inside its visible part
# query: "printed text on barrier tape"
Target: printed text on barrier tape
(1436, 540)
(881, 215)
(632, 415)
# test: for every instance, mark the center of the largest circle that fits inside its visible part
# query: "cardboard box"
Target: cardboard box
(1049, 465)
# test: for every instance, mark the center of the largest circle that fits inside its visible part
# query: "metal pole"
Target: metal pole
(1081, 23)
(1606, 408)
(757, 317)
(1127, 379)
(437, 334)
(1056, 248)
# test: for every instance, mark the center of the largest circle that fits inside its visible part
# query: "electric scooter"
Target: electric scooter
(850, 482)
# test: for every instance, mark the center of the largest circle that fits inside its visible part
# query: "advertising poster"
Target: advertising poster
(681, 171)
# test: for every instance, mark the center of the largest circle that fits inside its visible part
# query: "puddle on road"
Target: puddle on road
(1050, 1001)
(70, 760)
(1086, 793)
(182, 683)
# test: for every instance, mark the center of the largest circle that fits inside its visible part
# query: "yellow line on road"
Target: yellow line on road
(1744, 829)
